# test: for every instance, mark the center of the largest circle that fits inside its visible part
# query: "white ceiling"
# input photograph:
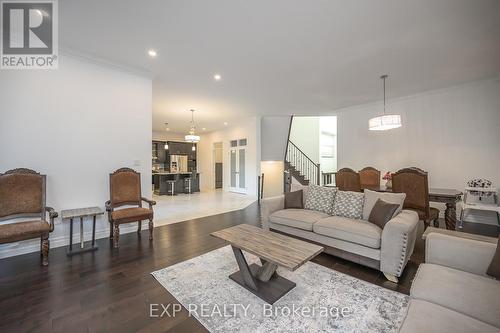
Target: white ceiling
(285, 56)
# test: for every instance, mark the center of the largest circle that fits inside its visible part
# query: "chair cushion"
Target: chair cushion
(348, 204)
(131, 214)
(294, 199)
(371, 198)
(297, 218)
(473, 295)
(428, 317)
(320, 198)
(354, 231)
(13, 232)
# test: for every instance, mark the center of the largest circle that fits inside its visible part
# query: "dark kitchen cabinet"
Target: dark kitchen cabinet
(159, 152)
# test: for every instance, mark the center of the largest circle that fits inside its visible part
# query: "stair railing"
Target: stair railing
(303, 164)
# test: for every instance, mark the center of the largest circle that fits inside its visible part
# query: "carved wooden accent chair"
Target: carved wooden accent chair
(369, 177)
(347, 180)
(22, 196)
(125, 190)
(414, 182)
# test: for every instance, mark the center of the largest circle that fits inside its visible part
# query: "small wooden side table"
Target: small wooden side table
(81, 213)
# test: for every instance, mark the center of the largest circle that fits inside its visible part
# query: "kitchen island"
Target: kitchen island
(163, 179)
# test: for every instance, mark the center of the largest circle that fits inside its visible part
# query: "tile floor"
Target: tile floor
(183, 207)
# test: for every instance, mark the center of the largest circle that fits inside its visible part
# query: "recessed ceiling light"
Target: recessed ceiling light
(204, 129)
(217, 77)
(225, 123)
(152, 53)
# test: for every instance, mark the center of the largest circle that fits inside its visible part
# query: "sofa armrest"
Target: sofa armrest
(468, 255)
(269, 206)
(398, 241)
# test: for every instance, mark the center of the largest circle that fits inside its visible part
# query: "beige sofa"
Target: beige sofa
(451, 291)
(357, 240)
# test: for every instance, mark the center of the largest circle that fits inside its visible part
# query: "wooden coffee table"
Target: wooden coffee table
(274, 250)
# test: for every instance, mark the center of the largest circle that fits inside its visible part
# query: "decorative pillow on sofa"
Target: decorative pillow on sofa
(382, 212)
(348, 204)
(297, 187)
(294, 199)
(320, 198)
(371, 198)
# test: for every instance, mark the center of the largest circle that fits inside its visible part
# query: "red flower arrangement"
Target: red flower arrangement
(387, 176)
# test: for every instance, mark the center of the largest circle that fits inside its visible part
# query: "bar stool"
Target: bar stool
(171, 184)
(187, 185)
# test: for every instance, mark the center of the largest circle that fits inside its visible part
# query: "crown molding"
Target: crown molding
(80, 55)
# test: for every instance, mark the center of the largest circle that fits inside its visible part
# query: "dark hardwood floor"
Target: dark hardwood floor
(110, 290)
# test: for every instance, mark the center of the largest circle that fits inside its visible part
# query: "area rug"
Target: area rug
(324, 300)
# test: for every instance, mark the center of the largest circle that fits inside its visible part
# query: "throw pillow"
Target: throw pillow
(320, 198)
(494, 268)
(382, 212)
(294, 199)
(297, 187)
(348, 204)
(371, 198)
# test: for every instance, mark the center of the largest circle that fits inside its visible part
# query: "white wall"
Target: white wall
(273, 178)
(76, 125)
(274, 132)
(305, 135)
(453, 133)
(249, 129)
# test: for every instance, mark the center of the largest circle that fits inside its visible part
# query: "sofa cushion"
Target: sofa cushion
(131, 215)
(494, 267)
(473, 295)
(354, 231)
(348, 204)
(12, 232)
(428, 317)
(371, 198)
(297, 218)
(294, 199)
(320, 198)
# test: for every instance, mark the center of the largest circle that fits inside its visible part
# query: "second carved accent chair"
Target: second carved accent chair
(347, 180)
(22, 196)
(369, 178)
(414, 182)
(125, 190)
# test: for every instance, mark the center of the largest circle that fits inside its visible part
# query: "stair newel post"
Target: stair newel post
(318, 177)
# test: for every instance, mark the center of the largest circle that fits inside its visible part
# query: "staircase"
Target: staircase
(300, 166)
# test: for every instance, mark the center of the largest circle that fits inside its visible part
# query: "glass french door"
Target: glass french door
(237, 167)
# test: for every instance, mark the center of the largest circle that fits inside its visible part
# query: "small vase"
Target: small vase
(388, 184)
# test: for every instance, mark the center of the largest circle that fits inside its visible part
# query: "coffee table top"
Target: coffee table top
(279, 249)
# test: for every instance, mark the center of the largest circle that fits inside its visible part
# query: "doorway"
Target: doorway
(237, 165)
(218, 165)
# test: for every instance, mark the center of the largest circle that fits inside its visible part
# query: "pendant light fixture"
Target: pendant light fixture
(192, 137)
(385, 121)
(166, 142)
